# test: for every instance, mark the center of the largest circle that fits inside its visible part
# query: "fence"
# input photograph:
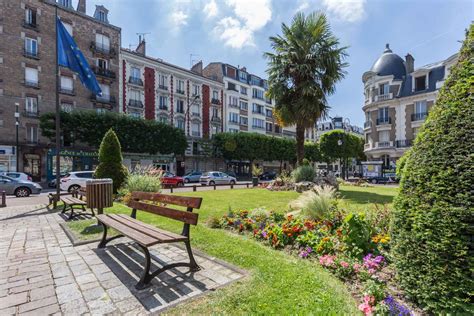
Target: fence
(215, 186)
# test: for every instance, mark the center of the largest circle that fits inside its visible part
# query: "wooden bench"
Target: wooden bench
(76, 199)
(147, 235)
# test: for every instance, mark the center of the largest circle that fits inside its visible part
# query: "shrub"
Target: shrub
(143, 180)
(110, 161)
(319, 204)
(356, 233)
(432, 227)
(303, 173)
(256, 171)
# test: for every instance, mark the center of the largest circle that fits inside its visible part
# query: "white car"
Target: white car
(216, 177)
(17, 175)
(74, 180)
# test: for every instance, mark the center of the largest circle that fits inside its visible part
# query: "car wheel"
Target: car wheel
(211, 183)
(186, 180)
(22, 192)
(232, 182)
(180, 184)
(374, 181)
(73, 187)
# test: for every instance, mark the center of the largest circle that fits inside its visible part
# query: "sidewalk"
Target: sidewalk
(42, 273)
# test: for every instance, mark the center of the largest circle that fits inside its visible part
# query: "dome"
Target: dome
(389, 64)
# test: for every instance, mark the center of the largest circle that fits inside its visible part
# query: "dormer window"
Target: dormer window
(101, 13)
(384, 89)
(102, 16)
(66, 3)
(420, 83)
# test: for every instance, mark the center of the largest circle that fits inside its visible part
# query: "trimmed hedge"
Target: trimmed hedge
(432, 227)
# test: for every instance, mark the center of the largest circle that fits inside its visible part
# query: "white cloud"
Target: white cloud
(249, 17)
(346, 10)
(303, 5)
(178, 19)
(211, 9)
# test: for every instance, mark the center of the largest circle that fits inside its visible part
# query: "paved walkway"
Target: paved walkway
(42, 273)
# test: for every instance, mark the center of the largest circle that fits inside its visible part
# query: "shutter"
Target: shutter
(31, 74)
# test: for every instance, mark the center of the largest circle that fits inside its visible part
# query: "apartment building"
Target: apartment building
(398, 98)
(336, 123)
(246, 107)
(156, 90)
(28, 77)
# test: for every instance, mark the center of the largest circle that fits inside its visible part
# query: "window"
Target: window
(215, 113)
(196, 90)
(233, 117)
(416, 130)
(257, 93)
(30, 17)
(135, 73)
(163, 102)
(231, 86)
(384, 89)
(163, 119)
(105, 92)
(68, 28)
(269, 127)
(269, 113)
(277, 128)
(257, 108)
(66, 107)
(101, 111)
(102, 43)
(134, 95)
(32, 133)
(31, 47)
(180, 124)
(258, 123)
(102, 63)
(179, 106)
(196, 129)
(255, 80)
(102, 16)
(244, 121)
(420, 83)
(384, 136)
(31, 76)
(180, 86)
(243, 76)
(195, 110)
(67, 84)
(162, 81)
(136, 115)
(215, 95)
(243, 90)
(420, 107)
(65, 3)
(233, 130)
(244, 105)
(383, 116)
(31, 105)
(233, 101)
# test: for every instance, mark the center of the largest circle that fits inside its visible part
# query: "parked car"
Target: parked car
(169, 179)
(216, 177)
(192, 176)
(52, 183)
(20, 188)
(75, 180)
(268, 175)
(381, 180)
(17, 175)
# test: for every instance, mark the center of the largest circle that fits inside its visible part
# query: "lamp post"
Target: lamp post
(347, 129)
(17, 124)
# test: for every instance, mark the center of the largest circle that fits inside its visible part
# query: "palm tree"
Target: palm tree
(302, 71)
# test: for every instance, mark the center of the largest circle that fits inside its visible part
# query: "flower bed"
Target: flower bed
(353, 247)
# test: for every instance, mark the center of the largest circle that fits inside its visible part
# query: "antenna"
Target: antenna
(191, 60)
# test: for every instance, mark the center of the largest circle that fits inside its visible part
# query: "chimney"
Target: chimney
(409, 63)
(81, 6)
(197, 68)
(141, 48)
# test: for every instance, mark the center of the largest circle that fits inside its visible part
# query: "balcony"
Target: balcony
(135, 104)
(103, 72)
(32, 114)
(384, 144)
(196, 133)
(135, 81)
(367, 124)
(179, 91)
(258, 112)
(163, 87)
(215, 119)
(419, 116)
(367, 146)
(163, 107)
(215, 101)
(258, 127)
(102, 49)
(384, 120)
(404, 143)
(32, 84)
(68, 91)
(31, 54)
(383, 97)
(104, 99)
(180, 110)
(196, 114)
(234, 105)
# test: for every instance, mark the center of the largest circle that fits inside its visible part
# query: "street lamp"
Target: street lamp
(17, 124)
(347, 129)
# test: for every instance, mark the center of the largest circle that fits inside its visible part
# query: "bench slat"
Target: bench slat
(194, 202)
(163, 235)
(183, 216)
(71, 200)
(140, 238)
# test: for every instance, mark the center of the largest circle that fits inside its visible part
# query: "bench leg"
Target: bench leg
(64, 209)
(71, 216)
(146, 276)
(103, 242)
(192, 262)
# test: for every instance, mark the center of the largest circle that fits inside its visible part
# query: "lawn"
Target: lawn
(278, 282)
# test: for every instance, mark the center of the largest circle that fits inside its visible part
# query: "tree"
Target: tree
(306, 64)
(110, 160)
(337, 144)
(432, 227)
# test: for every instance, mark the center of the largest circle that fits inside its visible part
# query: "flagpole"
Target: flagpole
(58, 116)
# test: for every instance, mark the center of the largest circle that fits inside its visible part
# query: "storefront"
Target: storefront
(71, 160)
(7, 158)
(164, 162)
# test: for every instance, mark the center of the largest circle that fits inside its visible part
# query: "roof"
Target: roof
(389, 63)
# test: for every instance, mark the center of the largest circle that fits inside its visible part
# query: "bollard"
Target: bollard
(194, 188)
(171, 189)
(4, 199)
(247, 185)
(214, 186)
(231, 186)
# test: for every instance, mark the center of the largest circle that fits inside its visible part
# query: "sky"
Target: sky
(237, 32)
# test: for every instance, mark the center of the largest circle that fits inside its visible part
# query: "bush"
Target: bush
(432, 228)
(319, 204)
(110, 161)
(303, 173)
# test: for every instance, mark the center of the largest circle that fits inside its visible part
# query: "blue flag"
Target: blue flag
(70, 56)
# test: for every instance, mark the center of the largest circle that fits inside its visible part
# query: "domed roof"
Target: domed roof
(389, 64)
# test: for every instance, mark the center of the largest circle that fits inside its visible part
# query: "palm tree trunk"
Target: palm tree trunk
(299, 144)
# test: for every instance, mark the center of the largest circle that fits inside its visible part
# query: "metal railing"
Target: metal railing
(69, 91)
(103, 72)
(163, 107)
(194, 188)
(367, 124)
(403, 143)
(103, 98)
(419, 116)
(135, 81)
(31, 54)
(102, 48)
(180, 91)
(384, 120)
(383, 97)
(27, 113)
(33, 84)
(162, 87)
(215, 101)
(384, 144)
(135, 103)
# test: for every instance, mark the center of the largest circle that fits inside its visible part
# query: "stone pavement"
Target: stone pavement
(42, 273)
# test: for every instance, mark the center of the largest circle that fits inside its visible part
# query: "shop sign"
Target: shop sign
(78, 153)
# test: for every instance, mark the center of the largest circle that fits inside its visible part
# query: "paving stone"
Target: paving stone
(42, 292)
(38, 304)
(128, 304)
(101, 306)
(119, 293)
(74, 307)
(94, 293)
(13, 300)
(86, 278)
(8, 311)
(46, 310)
(67, 293)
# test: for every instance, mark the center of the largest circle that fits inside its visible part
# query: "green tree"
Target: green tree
(110, 160)
(303, 70)
(432, 227)
(338, 145)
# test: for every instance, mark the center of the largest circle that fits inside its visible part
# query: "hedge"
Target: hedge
(432, 227)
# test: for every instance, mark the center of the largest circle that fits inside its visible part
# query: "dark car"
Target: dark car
(268, 175)
(381, 180)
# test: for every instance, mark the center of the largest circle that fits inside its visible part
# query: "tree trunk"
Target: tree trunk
(299, 144)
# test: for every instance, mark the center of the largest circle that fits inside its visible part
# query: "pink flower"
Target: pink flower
(344, 264)
(327, 260)
(366, 306)
(356, 267)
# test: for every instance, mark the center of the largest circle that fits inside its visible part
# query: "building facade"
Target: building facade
(155, 90)
(28, 76)
(398, 98)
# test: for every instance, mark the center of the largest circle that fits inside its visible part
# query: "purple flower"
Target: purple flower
(264, 234)
(396, 308)
(372, 264)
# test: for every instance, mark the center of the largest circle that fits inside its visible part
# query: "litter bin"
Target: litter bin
(99, 194)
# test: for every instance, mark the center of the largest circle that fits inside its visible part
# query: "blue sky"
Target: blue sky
(237, 31)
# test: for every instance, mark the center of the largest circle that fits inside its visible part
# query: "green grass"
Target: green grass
(278, 283)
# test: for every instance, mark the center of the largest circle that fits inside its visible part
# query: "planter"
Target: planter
(254, 181)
